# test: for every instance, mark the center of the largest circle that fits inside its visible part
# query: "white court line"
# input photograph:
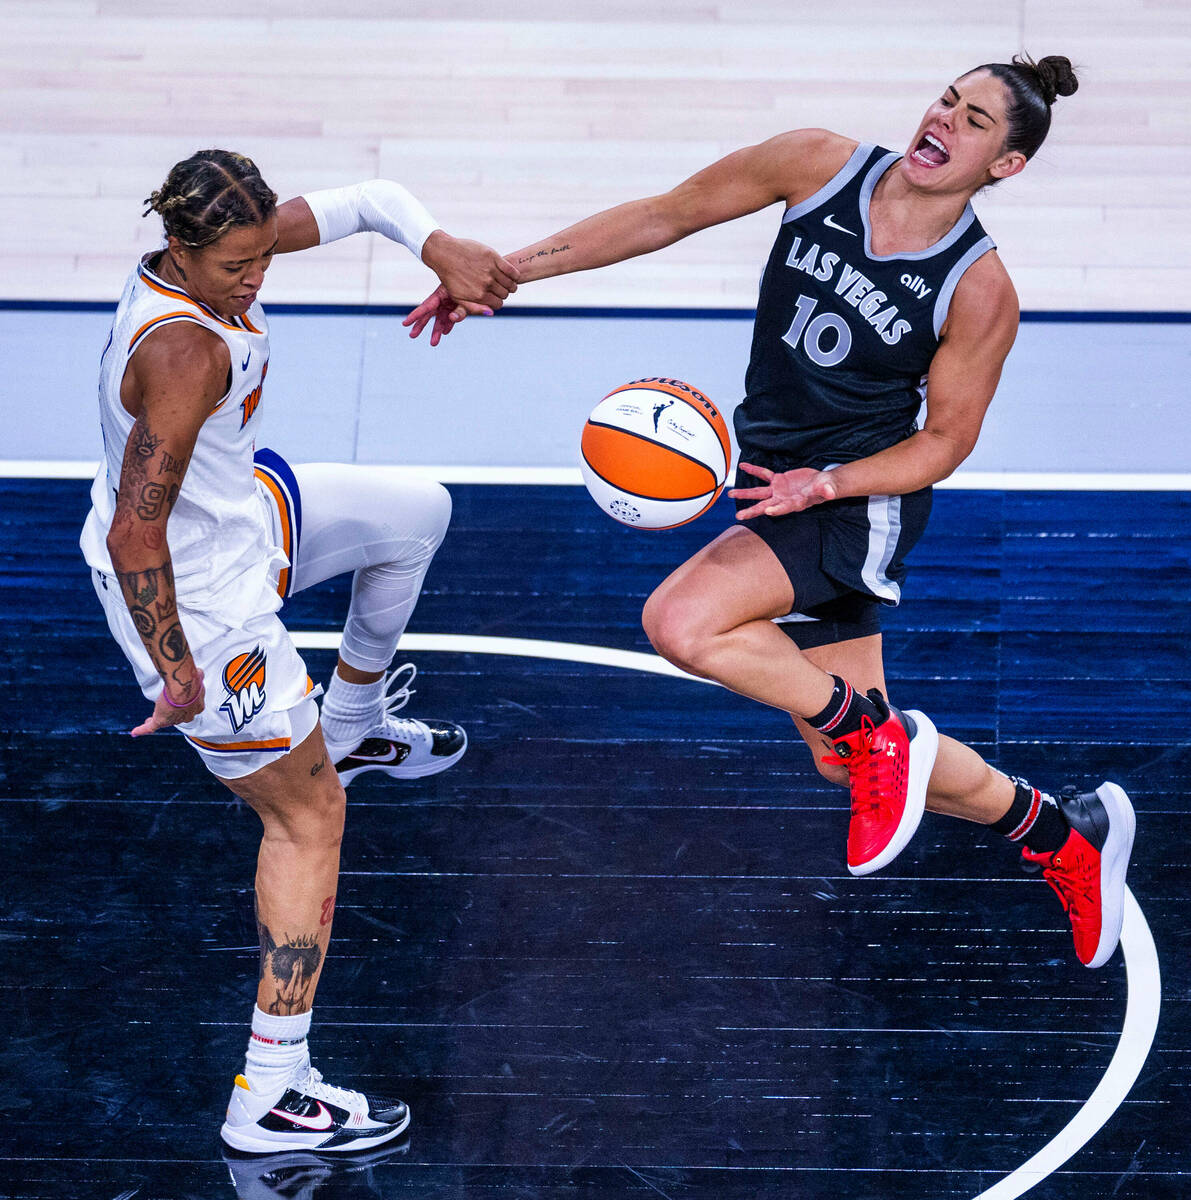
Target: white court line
(1144, 982)
(1004, 481)
(1142, 975)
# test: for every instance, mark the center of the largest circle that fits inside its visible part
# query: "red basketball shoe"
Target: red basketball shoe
(889, 766)
(1088, 869)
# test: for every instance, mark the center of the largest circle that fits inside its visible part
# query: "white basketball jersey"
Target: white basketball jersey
(217, 532)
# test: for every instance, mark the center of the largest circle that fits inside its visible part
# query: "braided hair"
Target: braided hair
(1032, 88)
(209, 193)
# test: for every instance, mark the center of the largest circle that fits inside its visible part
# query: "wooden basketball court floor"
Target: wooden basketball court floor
(615, 952)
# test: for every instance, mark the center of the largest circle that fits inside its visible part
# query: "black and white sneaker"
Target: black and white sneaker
(307, 1114)
(401, 746)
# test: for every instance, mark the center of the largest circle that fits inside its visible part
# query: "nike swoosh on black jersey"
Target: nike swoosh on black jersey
(833, 225)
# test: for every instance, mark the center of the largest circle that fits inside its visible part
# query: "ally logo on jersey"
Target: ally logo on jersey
(244, 679)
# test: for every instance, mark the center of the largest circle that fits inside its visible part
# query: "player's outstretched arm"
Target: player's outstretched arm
(174, 380)
(787, 167)
(478, 277)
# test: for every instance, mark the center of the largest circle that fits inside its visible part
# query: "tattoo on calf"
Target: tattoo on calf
(293, 964)
(318, 766)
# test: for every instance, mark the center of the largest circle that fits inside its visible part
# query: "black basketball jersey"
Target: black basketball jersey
(844, 337)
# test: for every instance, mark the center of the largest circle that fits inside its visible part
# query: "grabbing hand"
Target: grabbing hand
(474, 274)
(784, 491)
(166, 713)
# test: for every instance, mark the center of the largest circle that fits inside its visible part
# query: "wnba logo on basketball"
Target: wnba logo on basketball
(244, 678)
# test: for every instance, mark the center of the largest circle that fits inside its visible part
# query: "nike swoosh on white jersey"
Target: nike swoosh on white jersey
(833, 225)
(322, 1121)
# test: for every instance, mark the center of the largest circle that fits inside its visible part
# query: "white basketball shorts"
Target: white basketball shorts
(259, 698)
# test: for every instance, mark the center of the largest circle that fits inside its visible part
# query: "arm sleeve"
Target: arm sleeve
(378, 206)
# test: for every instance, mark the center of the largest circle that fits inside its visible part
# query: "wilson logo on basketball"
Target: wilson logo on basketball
(244, 678)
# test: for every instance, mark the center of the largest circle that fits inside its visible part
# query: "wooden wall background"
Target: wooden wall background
(511, 120)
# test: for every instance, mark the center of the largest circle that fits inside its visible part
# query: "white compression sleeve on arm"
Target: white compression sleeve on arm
(378, 206)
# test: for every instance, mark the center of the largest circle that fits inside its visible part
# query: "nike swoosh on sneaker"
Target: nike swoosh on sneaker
(323, 1119)
(390, 756)
(834, 225)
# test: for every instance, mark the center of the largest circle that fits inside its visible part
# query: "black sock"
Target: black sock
(1034, 819)
(844, 711)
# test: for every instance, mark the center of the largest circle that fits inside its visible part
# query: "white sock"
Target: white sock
(349, 712)
(275, 1049)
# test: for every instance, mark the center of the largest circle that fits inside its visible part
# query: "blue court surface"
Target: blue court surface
(615, 952)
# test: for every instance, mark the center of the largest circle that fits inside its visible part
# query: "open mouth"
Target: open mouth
(930, 152)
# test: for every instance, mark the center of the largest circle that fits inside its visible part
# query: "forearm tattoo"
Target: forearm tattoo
(141, 504)
(140, 493)
(546, 252)
(290, 966)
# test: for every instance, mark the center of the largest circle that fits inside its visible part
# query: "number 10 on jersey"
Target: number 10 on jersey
(825, 340)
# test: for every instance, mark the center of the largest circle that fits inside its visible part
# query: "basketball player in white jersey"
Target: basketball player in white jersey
(194, 543)
(882, 289)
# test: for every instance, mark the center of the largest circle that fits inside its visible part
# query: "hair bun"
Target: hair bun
(1056, 77)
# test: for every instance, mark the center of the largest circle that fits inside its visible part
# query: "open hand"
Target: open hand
(783, 491)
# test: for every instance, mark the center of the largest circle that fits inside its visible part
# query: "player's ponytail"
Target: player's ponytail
(1031, 89)
(209, 193)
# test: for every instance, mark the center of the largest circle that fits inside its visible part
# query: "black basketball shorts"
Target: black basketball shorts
(844, 559)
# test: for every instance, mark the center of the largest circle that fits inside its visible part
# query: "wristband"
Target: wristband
(166, 697)
(379, 206)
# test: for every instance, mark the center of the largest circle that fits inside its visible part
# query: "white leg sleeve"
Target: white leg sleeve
(383, 527)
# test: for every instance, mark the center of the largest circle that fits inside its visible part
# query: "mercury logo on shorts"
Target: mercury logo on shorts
(244, 678)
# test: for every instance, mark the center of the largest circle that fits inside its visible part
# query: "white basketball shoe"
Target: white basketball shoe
(402, 747)
(306, 1114)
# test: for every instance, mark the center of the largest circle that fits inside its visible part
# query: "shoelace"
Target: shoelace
(397, 691)
(312, 1084)
(1073, 890)
(866, 791)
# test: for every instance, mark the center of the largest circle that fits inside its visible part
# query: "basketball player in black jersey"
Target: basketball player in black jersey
(882, 290)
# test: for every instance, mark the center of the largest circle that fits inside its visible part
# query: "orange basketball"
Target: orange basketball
(655, 453)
